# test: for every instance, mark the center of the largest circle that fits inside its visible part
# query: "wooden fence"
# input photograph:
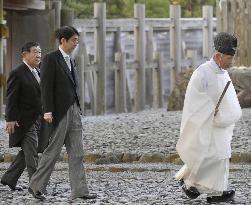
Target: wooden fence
(147, 65)
(235, 17)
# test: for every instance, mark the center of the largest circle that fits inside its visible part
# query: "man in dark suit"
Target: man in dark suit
(60, 102)
(23, 108)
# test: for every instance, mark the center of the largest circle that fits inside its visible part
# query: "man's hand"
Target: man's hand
(10, 127)
(48, 117)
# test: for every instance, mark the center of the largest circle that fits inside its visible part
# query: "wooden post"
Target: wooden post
(222, 16)
(192, 55)
(175, 42)
(120, 75)
(243, 39)
(117, 81)
(248, 37)
(139, 98)
(218, 16)
(120, 83)
(48, 4)
(207, 31)
(157, 83)
(235, 18)
(149, 60)
(117, 43)
(100, 34)
(1, 62)
(231, 9)
(90, 76)
(57, 6)
(67, 17)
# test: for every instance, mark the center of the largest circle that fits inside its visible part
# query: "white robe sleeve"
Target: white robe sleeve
(229, 110)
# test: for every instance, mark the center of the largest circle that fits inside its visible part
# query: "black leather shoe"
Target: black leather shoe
(191, 192)
(13, 188)
(89, 196)
(226, 196)
(37, 195)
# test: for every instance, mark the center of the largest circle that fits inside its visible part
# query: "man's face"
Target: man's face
(70, 44)
(225, 61)
(33, 57)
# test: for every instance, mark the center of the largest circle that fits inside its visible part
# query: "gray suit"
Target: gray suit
(59, 89)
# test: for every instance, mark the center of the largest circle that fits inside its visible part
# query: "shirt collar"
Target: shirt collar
(63, 53)
(217, 69)
(28, 65)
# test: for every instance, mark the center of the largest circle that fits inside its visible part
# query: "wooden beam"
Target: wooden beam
(125, 25)
(24, 4)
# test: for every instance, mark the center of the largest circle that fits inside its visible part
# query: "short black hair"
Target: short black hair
(65, 32)
(27, 46)
(225, 43)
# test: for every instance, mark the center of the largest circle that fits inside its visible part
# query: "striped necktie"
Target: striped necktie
(68, 61)
(34, 72)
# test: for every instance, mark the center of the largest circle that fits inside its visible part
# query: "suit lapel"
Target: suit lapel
(73, 66)
(30, 76)
(65, 66)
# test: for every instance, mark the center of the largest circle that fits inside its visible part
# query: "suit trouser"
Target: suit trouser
(26, 157)
(68, 132)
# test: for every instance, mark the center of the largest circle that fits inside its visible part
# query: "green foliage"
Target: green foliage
(82, 8)
(157, 9)
(124, 8)
(193, 8)
(116, 8)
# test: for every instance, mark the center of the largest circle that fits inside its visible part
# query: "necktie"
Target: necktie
(34, 72)
(68, 61)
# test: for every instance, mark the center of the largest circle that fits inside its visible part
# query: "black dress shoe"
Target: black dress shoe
(89, 196)
(226, 196)
(13, 188)
(37, 195)
(191, 192)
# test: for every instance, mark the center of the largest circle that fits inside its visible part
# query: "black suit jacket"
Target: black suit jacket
(59, 90)
(23, 102)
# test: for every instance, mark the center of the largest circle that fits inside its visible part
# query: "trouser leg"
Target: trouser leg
(41, 177)
(15, 170)
(74, 146)
(27, 157)
(29, 147)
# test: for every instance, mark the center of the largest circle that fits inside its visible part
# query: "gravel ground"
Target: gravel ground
(129, 184)
(146, 132)
(151, 131)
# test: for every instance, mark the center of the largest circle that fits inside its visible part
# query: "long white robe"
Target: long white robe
(204, 144)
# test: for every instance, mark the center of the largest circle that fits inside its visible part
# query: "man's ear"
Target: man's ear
(23, 54)
(62, 40)
(218, 55)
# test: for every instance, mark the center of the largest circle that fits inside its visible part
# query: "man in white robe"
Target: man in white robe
(205, 138)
